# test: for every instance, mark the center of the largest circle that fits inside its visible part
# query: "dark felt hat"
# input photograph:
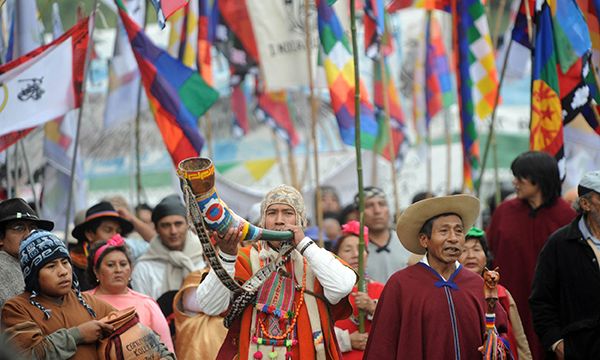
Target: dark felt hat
(102, 210)
(18, 209)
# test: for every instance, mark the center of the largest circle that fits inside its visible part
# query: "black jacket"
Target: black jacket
(565, 299)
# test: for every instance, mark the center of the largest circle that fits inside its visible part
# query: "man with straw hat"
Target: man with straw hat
(433, 309)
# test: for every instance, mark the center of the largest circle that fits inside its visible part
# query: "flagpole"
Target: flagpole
(137, 128)
(8, 175)
(16, 177)
(29, 176)
(498, 21)
(429, 161)
(292, 166)
(88, 52)
(377, 144)
(362, 284)
(491, 133)
(313, 113)
(209, 137)
(529, 21)
(448, 152)
(279, 158)
(388, 124)
(427, 125)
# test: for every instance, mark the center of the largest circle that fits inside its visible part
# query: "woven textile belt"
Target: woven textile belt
(246, 293)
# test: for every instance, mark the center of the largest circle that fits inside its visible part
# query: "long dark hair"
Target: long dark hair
(540, 169)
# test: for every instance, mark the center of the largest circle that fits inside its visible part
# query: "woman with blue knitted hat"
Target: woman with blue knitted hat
(52, 319)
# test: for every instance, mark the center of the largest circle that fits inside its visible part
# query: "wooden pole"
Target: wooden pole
(427, 125)
(493, 120)
(313, 117)
(29, 176)
(16, 176)
(284, 175)
(429, 161)
(362, 284)
(292, 166)
(447, 130)
(8, 174)
(529, 22)
(209, 134)
(492, 139)
(137, 132)
(498, 22)
(80, 115)
(388, 124)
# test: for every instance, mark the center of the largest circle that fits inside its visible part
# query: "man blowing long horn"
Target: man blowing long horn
(292, 314)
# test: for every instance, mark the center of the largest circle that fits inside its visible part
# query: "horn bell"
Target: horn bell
(199, 173)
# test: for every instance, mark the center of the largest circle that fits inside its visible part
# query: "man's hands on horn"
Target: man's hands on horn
(229, 241)
(298, 233)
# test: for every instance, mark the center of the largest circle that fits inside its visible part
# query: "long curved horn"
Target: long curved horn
(200, 175)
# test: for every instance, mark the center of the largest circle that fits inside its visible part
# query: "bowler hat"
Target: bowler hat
(18, 209)
(102, 210)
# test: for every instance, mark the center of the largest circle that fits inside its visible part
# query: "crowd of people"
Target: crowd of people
(139, 280)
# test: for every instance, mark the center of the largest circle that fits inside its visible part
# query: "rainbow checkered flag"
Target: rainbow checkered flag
(339, 68)
(477, 80)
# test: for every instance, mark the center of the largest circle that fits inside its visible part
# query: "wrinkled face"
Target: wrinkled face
(377, 214)
(107, 229)
(14, 232)
(172, 230)
(525, 189)
(473, 257)
(278, 216)
(591, 206)
(56, 277)
(348, 251)
(447, 240)
(114, 272)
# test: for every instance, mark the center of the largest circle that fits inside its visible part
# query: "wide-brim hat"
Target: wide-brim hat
(18, 209)
(414, 217)
(102, 210)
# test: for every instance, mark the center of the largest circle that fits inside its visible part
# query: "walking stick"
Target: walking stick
(493, 347)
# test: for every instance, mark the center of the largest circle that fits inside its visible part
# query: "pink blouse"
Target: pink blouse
(146, 308)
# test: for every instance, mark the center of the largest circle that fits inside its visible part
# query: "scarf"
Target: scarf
(179, 263)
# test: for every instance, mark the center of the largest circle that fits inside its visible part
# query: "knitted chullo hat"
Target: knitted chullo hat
(38, 249)
(287, 195)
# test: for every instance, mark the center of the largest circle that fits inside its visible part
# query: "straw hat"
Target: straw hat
(414, 217)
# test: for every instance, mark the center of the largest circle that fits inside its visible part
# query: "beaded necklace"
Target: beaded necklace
(285, 339)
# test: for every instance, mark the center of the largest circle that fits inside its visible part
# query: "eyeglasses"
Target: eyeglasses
(21, 227)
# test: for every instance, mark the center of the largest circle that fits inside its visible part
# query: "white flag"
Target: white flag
(37, 91)
(281, 40)
(124, 76)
